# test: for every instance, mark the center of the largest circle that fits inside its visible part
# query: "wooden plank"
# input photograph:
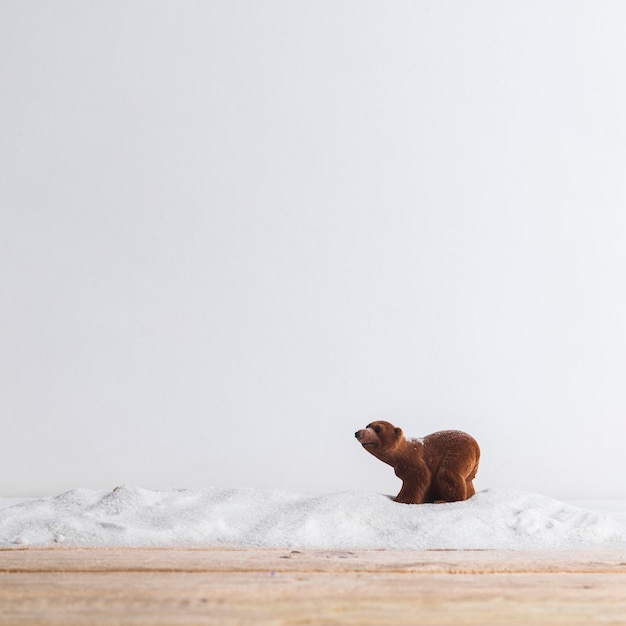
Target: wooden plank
(225, 560)
(158, 587)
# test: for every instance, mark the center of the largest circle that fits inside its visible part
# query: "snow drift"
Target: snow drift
(128, 516)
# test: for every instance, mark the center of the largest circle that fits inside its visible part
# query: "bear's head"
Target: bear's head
(380, 438)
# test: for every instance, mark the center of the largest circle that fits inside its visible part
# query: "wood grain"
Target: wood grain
(156, 587)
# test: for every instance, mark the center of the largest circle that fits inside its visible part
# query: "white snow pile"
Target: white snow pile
(128, 516)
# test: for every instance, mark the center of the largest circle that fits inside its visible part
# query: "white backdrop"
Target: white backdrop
(232, 233)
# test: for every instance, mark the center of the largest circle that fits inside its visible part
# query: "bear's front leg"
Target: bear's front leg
(411, 493)
(415, 477)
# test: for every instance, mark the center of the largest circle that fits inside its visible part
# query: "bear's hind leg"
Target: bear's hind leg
(470, 491)
(468, 481)
(450, 486)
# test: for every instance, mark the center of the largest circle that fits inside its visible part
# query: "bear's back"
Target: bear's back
(450, 444)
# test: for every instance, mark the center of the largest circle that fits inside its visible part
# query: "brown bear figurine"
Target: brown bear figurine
(438, 468)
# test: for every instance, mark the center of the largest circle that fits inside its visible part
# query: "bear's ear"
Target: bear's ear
(397, 432)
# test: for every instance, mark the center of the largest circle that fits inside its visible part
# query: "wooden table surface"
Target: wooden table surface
(361, 587)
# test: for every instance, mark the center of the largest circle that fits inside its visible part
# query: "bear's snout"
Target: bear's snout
(357, 434)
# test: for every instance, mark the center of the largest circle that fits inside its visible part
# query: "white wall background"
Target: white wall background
(232, 233)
